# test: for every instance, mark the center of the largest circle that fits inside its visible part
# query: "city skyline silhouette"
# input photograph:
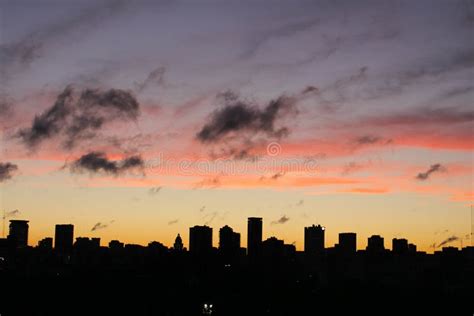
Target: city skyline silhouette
(314, 237)
(308, 279)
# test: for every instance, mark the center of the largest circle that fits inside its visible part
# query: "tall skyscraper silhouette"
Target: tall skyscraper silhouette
(178, 243)
(375, 244)
(254, 235)
(347, 243)
(200, 239)
(64, 238)
(229, 241)
(18, 234)
(314, 240)
(399, 246)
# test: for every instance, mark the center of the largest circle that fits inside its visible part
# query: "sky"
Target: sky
(136, 120)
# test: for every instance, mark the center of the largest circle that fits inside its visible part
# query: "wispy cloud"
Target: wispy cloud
(100, 225)
(208, 183)
(154, 79)
(11, 214)
(281, 220)
(422, 176)
(366, 190)
(281, 31)
(7, 170)
(209, 218)
(155, 190)
(75, 117)
(448, 241)
(95, 162)
(18, 55)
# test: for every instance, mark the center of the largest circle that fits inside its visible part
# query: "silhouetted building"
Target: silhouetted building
(115, 245)
(229, 241)
(273, 247)
(178, 243)
(157, 247)
(4, 244)
(200, 239)
(289, 250)
(254, 235)
(411, 248)
(87, 244)
(95, 241)
(347, 243)
(18, 234)
(375, 244)
(449, 250)
(314, 240)
(64, 238)
(46, 243)
(399, 246)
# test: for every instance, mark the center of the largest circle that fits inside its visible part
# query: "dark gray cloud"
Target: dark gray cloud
(238, 116)
(7, 169)
(175, 221)
(100, 225)
(281, 220)
(242, 151)
(74, 117)
(154, 78)
(277, 175)
(367, 139)
(310, 89)
(448, 241)
(227, 96)
(422, 176)
(155, 190)
(49, 123)
(96, 162)
(274, 176)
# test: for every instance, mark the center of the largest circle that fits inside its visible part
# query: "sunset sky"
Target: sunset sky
(143, 119)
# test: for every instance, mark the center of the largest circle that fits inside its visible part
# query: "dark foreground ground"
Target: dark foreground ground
(181, 284)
